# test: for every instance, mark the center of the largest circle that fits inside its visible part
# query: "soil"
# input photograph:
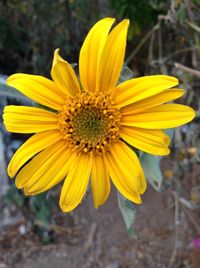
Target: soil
(90, 238)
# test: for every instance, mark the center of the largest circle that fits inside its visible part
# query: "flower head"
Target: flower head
(86, 135)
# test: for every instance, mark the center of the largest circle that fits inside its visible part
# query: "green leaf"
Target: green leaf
(128, 211)
(151, 167)
(41, 207)
(181, 14)
(14, 196)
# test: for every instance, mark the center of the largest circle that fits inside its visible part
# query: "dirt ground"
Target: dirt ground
(91, 238)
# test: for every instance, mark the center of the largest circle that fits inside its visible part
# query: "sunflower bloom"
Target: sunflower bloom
(85, 135)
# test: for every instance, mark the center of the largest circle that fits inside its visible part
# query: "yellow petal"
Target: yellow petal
(125, 171)
(37, 88)
(113, 57)
(100, 181)
(23, 119)
(150, 141)
(39, 165)
(163, 97)
(91, 53)
(64, 76)
(141, 88)
(31, 147)
(160, 117)
(76, 183)
(47, 176)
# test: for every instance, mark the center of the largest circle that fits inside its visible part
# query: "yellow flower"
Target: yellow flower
(84, 136)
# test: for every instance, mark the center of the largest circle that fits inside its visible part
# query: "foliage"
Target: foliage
(40, 206)
(32, 30)
(37, 210)
(128, 211)
(13, 196)
(136, 11)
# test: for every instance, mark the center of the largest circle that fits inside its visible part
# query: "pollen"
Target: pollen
(89, 122)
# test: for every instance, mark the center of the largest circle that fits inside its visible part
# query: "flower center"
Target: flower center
(89, 122)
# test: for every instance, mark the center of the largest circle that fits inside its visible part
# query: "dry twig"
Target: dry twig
(187, 69)
(176, 235)
(89, 241)
(142, 42)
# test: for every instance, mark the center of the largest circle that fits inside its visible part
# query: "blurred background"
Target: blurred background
(164, 37)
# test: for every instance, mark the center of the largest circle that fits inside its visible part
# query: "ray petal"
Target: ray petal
(64, 76)
(91, 53)
(125, 171)
(31, 147)
(45, 170)
(163, 97)
(113, 57)
(160, 117)
(37, 88)
(141, 88)
(23, 119)
(148, 140)
(100, 181)
(76, 183)
(47, 176)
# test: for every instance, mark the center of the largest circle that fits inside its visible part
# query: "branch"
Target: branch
(144, 39)
(187, 69)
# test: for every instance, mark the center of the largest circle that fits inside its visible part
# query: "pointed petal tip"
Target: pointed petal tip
(57, 56)
(173, 78)
(180, 90)
(137, 201)
(56, 53)
(92, 49)
(194, 114)
(10, 78)
(11, 173)
(18, 184)
(140, 202)
(167, 140)
(56, 50)
(191, 113)
(64, 76)
(166, 77)
(164, 116)
(65, 208)
(168, 151)
(126, 22)
(27, 192)
(109, 19)
(99, 204)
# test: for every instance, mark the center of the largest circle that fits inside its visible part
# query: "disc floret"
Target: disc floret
(89, 122)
